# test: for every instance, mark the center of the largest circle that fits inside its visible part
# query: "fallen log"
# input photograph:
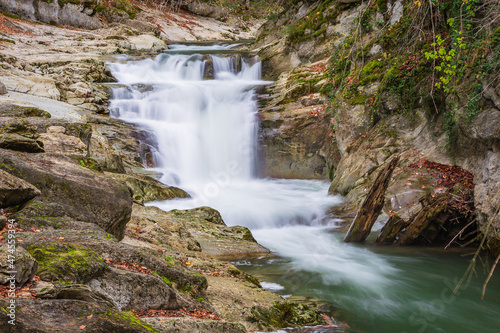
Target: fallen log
(372, 206)
(432, 210)
(390, 230)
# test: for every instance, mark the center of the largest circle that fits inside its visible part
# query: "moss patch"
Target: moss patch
(67, 263)
(285, 314)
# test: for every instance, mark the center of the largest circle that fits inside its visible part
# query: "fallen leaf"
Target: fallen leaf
(82, 327)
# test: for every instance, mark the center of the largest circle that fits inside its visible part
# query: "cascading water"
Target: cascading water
(206, 134)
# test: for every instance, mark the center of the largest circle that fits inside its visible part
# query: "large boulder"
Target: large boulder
(25, 266)
(135, 291)
(15, 191)
(69, 189)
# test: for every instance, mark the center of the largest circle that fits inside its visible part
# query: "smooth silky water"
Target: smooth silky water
(206, 135)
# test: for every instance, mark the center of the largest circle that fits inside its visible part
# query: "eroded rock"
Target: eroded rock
(15, 191)
(69, 189)
(145, 188)
(18, 142)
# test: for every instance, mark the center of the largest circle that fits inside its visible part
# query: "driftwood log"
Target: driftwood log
(372, 206)
(390, 230)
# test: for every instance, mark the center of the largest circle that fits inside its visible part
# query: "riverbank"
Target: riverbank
(89, 254)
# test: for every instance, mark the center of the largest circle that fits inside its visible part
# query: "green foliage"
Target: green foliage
(315, 23)
(90, 163)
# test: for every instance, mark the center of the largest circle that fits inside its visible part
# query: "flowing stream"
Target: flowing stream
(200, 104)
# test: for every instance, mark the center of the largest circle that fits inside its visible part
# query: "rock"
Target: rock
(397, 12)
(54, 12)
(312, 99)
(285, 314)
(375, 49)
(204, 9)
(174, 325)
(68, 189)
(189, 230)
(145, 189)
(105, 246)
(62, 262)
(3, 89)
(44, 289)
(355, 121)
(55, 141)
(104, 153)
(137, 291)
(146, 43)
(33, 85)
(45, 316)
(25, 265)
(18, 142)
(204, 213)
(15, 191)
(11, 110)
(83, 293)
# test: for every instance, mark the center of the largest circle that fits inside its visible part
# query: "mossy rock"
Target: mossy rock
(11, 110)
(204, 213)
(67, 263)
(285, 314)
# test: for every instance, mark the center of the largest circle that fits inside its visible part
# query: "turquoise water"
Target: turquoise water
(379, 289)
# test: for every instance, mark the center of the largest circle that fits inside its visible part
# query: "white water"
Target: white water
(206, 132)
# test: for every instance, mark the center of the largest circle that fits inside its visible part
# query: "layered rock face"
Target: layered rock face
(381, 98)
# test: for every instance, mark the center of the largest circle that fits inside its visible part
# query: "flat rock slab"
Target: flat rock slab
(175, 325)
(57, 109)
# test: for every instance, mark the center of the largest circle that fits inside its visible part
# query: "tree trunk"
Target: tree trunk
(372, 206)
(431, 211)
(390, 230)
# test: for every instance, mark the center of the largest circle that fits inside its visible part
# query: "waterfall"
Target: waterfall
(206, 134)
(203, 128)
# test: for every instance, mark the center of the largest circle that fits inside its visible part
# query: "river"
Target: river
(199, 103)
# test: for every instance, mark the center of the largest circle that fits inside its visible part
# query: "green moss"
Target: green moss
(170, 260)
(67, 262)
(166, 280)
(285, 314)
(382, 5)
(130, 319)
(370, 67)
(90, 163)
(360, 99)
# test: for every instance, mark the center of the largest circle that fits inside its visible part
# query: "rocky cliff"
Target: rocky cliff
(388, 78)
